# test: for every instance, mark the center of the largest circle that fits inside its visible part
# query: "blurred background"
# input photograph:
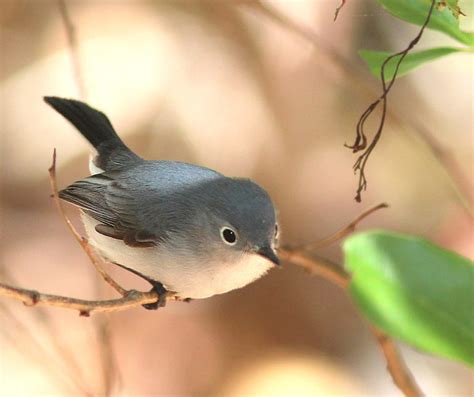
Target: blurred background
(269, 91)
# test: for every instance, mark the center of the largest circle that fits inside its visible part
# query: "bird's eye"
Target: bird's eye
(228, 235)
(276, 230)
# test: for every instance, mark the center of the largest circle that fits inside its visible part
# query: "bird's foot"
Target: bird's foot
(162, 293)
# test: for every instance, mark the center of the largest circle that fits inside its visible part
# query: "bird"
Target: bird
(188, 230)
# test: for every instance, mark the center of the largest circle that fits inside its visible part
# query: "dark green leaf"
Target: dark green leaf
(416, 11)
(415, 291)
(411, 61)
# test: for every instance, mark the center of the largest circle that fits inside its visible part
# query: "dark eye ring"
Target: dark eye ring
(228, 235)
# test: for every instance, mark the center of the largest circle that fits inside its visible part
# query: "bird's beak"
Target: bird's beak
(270, 254)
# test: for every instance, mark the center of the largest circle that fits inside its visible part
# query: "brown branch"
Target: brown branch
(338, 9)
(336, 274)
(401, 375)
(81, 240)
(317, 266)
(85, 307)
(73, 46)
(333, 272)
(343, 232)
(128, 300)
(109, 366)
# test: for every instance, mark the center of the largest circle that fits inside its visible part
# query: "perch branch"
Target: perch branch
(32, 298)
(316, 266)
(102, 325)
(81, 240)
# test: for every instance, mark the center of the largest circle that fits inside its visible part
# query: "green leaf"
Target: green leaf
(416, 11)
(453, 6)
(412, 60)
(415, 291)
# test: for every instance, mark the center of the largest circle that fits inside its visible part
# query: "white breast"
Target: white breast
(187, 278)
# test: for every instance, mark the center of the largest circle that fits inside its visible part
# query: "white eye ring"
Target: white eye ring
(229, 235)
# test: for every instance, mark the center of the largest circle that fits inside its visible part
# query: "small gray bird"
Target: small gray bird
(188, 230)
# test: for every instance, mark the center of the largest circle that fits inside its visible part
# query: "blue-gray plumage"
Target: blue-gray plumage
(188, 229)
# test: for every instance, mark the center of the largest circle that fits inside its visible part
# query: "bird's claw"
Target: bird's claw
(162, 293)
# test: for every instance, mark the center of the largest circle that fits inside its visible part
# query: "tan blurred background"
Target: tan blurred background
(225, 85)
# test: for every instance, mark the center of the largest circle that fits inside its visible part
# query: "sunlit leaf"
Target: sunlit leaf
(415, 291)
(416, 11)
(453, 6)
(411, 61)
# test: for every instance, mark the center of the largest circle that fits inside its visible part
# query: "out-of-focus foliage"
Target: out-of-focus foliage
(415, 291)
(444, 18)
(375, 59)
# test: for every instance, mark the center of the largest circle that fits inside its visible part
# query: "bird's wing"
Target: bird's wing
(143, 204)
(118, 211)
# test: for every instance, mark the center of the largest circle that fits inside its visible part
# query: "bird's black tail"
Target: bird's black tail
(96, 128)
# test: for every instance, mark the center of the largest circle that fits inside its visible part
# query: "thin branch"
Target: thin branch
(458, 182)
(333, 272)
(129, 299)
(317, 266)
(103, 331)
(81, 240)
(85, 307)
(360, 143)
(73, 46)
(343, 232)
(401, 375)
(338, 9)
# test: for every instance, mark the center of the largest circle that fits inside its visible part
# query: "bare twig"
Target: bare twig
(102, 327)
(401, 375)
(360, 143)
(129, 299)
(458, 181)
(74, 48)
(85, 307)
(338, 9)
(343, 232)
(81, 240)
(317, 266)
(335, 273)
